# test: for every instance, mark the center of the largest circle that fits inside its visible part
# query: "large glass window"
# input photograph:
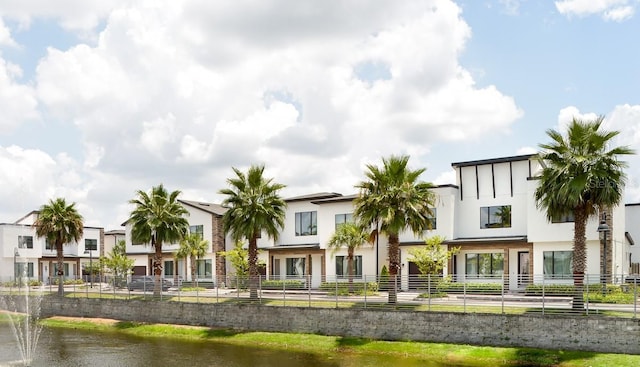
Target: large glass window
(566, 218)
(306, 223)
(25, 241)
(20, 270)
(343, 218)
(198, 229)
(65, 269)
(495, 216)
(484, 265)
(48, 245)
(204, 268)
(168, 268)
(295, 266)
(90, 244)
(557, 264)
(342, 263)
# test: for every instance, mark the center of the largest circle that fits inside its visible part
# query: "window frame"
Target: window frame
(344, 217)
(25, 242)
(312, 225)
(554, 274)
(491, 213)
(493, 272)
(290, 265)
(343, 274)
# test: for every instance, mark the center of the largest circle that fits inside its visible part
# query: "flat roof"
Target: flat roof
(514, 158)
(315, 196)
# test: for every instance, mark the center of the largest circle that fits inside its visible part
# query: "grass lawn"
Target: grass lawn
(329, 345)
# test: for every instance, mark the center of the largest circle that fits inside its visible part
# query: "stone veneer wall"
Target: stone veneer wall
(217, 246)
(599, 334)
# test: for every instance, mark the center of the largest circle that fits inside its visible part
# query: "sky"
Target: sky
(99, 98)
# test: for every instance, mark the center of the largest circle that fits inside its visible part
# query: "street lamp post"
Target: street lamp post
(603, 229)
(15, 264)
(90, 266)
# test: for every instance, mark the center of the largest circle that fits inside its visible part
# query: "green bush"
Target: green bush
(484, 288)
(279, 284)
(343, 288)
(549, 289)
(384, 279)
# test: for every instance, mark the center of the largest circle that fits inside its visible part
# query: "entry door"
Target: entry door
(523, 268)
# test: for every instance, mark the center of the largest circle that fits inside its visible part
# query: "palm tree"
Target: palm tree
(60, 224)
(158, 217)
(580, 175)
(254, 206)
(395, 199)
(353, 236)
(193, 247)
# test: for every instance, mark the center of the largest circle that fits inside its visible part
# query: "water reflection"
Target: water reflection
(63, 347)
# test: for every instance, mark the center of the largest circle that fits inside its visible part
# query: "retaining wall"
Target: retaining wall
(599, 334)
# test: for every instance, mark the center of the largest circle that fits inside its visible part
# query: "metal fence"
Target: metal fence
(611, 295)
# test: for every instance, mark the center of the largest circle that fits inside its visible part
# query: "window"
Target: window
(343, 218)
(20, 270)
(204, 268)
(566, 218)
(484, 265)
(48, 245)
(557, 264)
(495, 216)
(198, 229)
(432, 219)
(65, 267)
(90, 245)
(168, 268)
(306, 223)
(295, 266)
(342, 263)
(25, 241)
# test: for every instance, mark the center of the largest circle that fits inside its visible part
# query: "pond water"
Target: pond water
(65, 347)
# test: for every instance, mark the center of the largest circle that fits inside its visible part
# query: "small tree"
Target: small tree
(118, 263)
(431, 258)
(239, 258)
(193, 246)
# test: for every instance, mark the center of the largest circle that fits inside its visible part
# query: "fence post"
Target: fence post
(635, 296)
(237, 286)
(429, 291)
(542, 294)
(502, 292)
(365, 291)
(284, 292)
(217, 287)
(464, 297)
(587, 287)
(336, 280)
(309, 288)
(260, 289)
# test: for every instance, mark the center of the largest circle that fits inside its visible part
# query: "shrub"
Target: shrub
(343, 288)
(485, 288)
(280, 284)
(384, 279)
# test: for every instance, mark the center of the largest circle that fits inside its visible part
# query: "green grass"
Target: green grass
(330, 346)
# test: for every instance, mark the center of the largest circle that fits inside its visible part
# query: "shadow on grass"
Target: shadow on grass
(345, 342)
(527, 357)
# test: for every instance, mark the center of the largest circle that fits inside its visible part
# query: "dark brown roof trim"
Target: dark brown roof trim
(316, 196)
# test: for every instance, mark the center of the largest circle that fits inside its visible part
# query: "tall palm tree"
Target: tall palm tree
(395, 199)
(254, 206)
(353, 236)
(580, 175)
(60, 224)
(158, 217)
(193, 247)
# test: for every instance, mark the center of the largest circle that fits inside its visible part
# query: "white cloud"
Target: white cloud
(569, 113)
(17, 101)
(5, 35)
(615, 10)
(179, 91)
(444, 178)
(527, 150)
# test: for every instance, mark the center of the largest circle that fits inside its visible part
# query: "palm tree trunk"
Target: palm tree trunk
(253, 268)
(394, 266)
(350, 269)
(579, 256)
(157, 270)
(60, 259)
(193, 270)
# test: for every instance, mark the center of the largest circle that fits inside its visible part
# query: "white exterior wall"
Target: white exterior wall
(288, 236)
(467, 218)
(632, 225)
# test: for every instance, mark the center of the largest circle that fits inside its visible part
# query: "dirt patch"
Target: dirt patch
(95, 320)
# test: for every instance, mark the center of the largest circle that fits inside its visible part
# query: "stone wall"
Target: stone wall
(599, 334)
